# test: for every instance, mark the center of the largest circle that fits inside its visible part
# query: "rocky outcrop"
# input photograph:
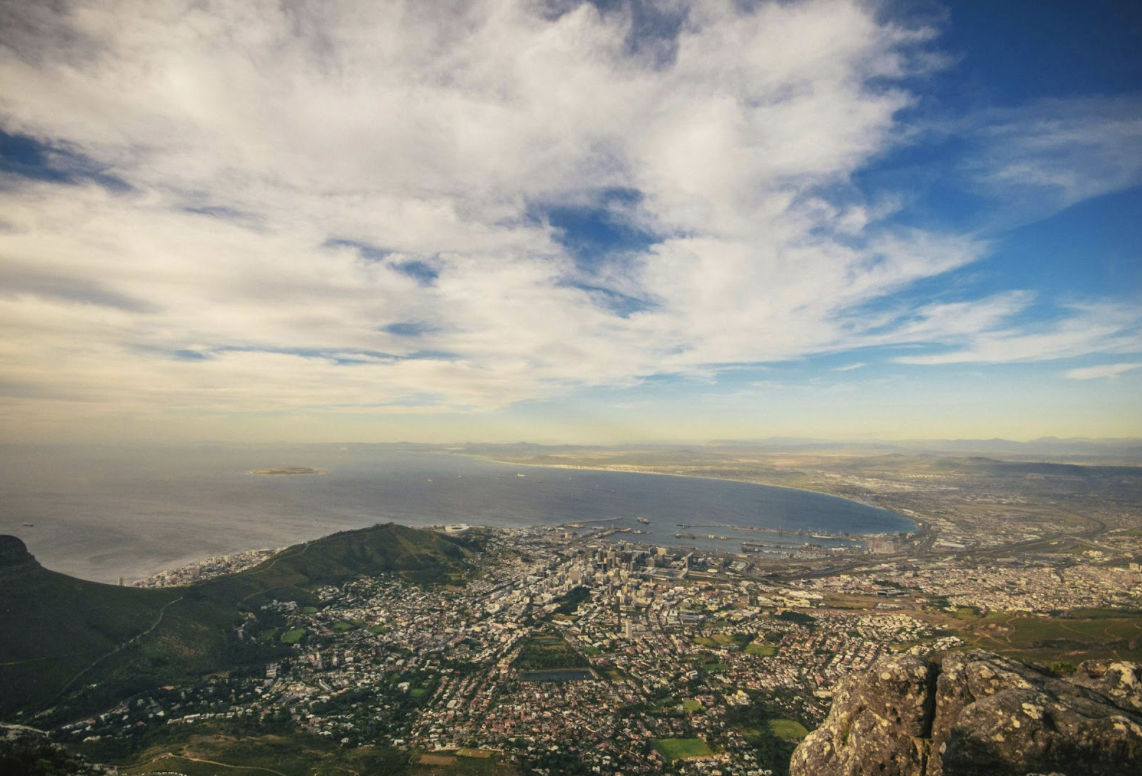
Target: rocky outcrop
(976, 713)
(15, 560)
(25, 750)
(1119, 681)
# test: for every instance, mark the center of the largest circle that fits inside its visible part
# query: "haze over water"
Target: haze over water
(101, 513)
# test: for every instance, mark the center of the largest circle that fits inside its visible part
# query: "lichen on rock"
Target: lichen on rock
(978, 713)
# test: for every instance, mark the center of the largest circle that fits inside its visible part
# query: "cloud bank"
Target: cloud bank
(424, 207)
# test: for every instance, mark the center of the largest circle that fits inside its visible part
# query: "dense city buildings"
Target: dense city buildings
(567, 653)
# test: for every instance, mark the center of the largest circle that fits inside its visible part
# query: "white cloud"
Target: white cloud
(1078, 331)
(1103, 371)
(1041, 158)
(437, 134)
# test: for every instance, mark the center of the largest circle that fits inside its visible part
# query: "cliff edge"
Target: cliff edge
(978, 714)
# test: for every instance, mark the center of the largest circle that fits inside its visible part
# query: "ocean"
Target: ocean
(104, 513)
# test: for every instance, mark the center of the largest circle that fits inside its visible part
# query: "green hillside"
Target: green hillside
(55, 626)
(81, 645)
(419, 554)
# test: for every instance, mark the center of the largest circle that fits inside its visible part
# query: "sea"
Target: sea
(110, 513)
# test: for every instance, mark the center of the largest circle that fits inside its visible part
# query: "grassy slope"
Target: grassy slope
(289, 575)
(682, 748)
(1078, 636)
(202, 754)
(206, 753)
(57, 625)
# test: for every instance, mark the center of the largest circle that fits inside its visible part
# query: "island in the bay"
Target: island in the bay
(1001, 636)
(287, 471)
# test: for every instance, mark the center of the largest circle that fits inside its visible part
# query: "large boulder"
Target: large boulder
(1117, 680)
(977, 713)
(880, 723)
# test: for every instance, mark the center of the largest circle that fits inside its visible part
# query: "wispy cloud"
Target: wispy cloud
(1041, 158)
(850, 367)
(1100, 372)
(1077, 331)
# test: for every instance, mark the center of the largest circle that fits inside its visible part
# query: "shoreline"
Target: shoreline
(919, 527)
(138, 571)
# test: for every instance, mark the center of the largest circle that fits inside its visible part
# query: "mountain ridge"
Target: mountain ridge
(123, 639)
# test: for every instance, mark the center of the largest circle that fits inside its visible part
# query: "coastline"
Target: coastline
(914, 521)
(195, 522)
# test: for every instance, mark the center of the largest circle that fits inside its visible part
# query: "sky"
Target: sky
(569, 222)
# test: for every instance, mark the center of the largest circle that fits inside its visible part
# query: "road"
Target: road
(116, 649)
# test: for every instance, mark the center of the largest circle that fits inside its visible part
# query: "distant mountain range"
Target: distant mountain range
(1124, 450)
(1041, 446)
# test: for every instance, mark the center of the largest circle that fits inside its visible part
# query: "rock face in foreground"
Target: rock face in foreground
(978, 714)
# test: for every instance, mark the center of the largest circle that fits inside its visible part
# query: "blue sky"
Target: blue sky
(570, 222)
